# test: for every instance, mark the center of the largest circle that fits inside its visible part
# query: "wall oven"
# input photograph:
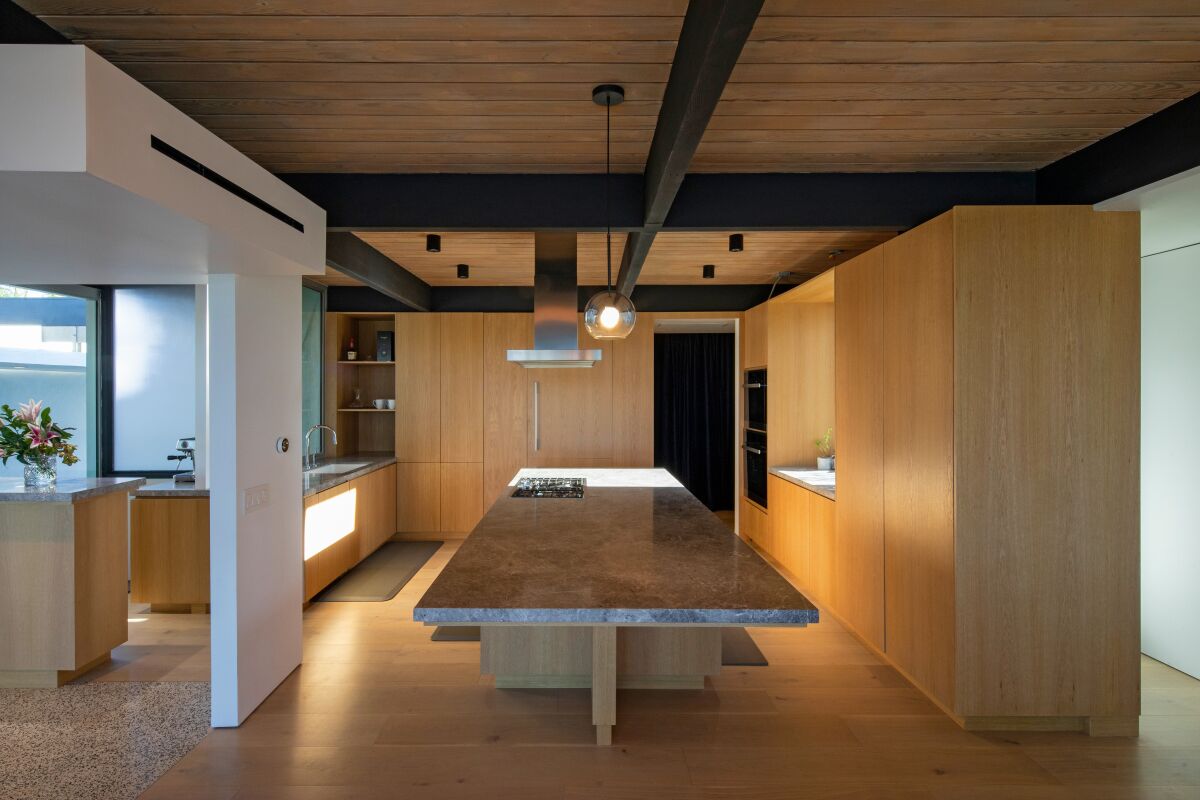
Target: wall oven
(755, 386)
(754, 448)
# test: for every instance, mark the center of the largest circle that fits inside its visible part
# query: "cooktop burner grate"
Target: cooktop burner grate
(550, 487)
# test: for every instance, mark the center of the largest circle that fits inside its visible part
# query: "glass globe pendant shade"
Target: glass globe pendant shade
(609, 315)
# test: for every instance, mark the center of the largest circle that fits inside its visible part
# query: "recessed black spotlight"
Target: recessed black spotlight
(464, 271)
(710, 271)
(433, 243)
(735, 243)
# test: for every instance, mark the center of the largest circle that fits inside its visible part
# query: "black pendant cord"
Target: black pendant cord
(607, 178)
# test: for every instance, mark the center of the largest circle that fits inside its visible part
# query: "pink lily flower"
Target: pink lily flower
(30, 411)
(39, 437)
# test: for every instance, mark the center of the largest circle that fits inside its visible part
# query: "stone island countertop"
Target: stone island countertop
(68, 490)
(638, 548)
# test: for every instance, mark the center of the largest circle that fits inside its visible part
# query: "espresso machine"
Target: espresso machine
(187, 452)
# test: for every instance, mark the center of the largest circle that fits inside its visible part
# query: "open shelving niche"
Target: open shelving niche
(360, 430)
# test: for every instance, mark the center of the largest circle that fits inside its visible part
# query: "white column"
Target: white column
(255, 526)
(201, 385)
(1170, 471)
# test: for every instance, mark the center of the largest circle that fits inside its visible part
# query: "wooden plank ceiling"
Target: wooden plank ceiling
(506, 259)
(504, 85)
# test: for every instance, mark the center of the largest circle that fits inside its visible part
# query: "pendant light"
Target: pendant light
(608, 314)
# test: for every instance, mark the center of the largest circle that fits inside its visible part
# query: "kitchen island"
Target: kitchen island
(627, 586)
(63, 556)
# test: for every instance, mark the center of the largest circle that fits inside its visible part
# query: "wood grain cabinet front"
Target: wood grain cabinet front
(1010, 573)
(168, 556)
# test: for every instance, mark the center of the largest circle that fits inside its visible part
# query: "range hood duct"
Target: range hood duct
(555, 306)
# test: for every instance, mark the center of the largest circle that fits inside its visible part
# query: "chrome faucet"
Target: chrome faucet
(310, 460)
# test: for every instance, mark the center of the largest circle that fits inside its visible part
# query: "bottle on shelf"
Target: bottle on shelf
(351, 351)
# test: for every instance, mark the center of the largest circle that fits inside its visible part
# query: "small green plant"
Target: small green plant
(825, 444)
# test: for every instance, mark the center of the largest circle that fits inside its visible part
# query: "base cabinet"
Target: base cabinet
(168, 556)
(802, 536)
(345, 524)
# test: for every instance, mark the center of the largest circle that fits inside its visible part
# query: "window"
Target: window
(48, 353)
(311, 329)
(153, 375)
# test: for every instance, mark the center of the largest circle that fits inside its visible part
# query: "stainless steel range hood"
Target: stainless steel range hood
(555, 307)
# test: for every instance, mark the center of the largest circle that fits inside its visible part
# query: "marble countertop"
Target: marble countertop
(821, 481)
(13, 490)
(165, 487)
(637, 549)
(330, 472)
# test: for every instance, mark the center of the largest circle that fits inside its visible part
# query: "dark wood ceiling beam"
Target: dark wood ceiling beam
(351, 256)
(710, 42)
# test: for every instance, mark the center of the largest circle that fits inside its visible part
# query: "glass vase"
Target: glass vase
(41, 472)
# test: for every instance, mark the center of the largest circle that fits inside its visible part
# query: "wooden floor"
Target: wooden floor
(379, 711)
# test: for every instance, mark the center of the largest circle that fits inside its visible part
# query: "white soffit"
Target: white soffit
(1170, 211)
(85, 199)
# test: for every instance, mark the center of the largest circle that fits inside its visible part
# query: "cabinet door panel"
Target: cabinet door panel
(462, 387)
(918, 430)
(821, 543)
(418, 498)
(506, 401)
(858, 572)
(462, 497)
(418, 388)
(572, 414)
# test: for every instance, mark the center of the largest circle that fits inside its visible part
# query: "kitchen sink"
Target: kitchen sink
(336, 469)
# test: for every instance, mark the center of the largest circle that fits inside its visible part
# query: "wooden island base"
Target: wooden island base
(600, 657)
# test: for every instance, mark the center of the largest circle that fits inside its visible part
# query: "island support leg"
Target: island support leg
(604, 682)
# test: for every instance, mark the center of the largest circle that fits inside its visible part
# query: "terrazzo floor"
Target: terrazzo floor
(104, 739)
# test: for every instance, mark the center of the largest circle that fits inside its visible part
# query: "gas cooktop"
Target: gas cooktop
(550, 487)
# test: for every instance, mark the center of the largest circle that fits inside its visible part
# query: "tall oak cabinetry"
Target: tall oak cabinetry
(467, 419)
(987, 514)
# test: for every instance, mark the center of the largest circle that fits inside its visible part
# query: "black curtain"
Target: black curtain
(693, 413)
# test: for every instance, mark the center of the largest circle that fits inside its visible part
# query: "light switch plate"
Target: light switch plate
(256, 497)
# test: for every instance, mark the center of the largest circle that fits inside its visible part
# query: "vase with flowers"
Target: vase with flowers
(37, 441)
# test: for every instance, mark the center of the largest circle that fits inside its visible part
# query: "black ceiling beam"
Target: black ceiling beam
(710, 42)
(830, 200)
(519, 299)
(706, 201)
(477, 202)
(351, 256)
(1163, 144)
(18, 26)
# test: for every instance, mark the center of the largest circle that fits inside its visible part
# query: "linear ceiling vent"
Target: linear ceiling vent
(220, 180)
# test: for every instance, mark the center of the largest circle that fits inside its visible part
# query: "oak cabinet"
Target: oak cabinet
(752, 522)
(860, 355)
(418, 354)
(987, 370)
(345, 524)
(754, 337)
(571, 414)
(461, 404)
(505, 401)
(803, 531)
(169, 551)
(419, 497)
(376, 509)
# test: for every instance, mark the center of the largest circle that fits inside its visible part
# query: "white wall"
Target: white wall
(1170, 465)
(256, 555)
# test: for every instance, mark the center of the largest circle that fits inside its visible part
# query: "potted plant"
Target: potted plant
(825, 450)
(34, 439)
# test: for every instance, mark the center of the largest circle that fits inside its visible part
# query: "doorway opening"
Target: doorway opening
(694, 408)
